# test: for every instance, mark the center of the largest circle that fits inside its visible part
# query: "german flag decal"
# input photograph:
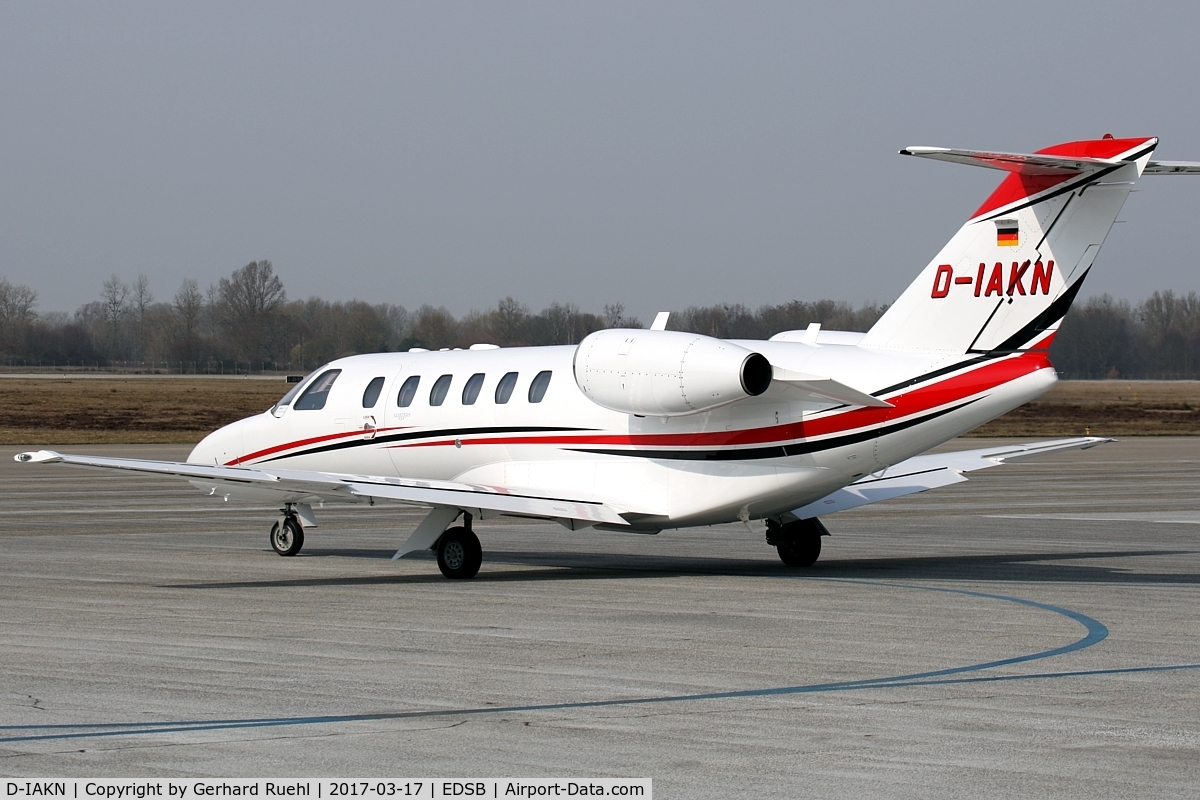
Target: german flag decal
(1008, 233)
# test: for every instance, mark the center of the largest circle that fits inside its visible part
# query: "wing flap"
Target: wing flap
(922, 473)
(984, 458)
(490, 499)
(298, 485)
(874, 490)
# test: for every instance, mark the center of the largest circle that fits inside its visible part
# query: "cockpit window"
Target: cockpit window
(371, 395)
(287, 399)
(471, 390)
(437, 395)
(408, 391)
(504, 388)
(317, 393)
(537, 388)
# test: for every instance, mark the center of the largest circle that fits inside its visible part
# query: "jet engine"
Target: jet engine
(666, 373)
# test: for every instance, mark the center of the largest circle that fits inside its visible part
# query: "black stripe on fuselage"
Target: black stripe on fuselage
(409, 436)
(937, 373)
(774, 451)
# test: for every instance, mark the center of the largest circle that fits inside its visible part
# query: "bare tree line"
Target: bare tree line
(245, 322)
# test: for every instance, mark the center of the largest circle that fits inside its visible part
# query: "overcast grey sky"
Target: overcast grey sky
(659, 154)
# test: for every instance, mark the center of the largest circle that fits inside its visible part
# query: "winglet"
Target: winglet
(40, 457)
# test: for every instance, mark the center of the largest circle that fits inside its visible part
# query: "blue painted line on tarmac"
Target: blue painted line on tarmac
(133, 729)
(1095, 633)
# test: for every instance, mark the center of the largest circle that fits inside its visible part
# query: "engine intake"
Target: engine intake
(666, 373)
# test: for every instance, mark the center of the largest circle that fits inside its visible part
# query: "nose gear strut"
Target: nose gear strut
(287, 535)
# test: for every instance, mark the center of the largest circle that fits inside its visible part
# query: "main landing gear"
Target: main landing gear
(459, 554)
(798, 542)
(287, 535)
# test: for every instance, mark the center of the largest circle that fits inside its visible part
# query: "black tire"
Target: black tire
(803, 551)
(459, 554)
(287, 538)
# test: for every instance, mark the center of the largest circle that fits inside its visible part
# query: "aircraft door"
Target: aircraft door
(399, 407)
(372, 406)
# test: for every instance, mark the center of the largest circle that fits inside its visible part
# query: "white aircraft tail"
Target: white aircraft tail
(1007, 278)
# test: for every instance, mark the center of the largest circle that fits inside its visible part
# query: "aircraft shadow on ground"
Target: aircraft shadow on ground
(564, 566)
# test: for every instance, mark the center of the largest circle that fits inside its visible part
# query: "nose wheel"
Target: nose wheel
(287, 535)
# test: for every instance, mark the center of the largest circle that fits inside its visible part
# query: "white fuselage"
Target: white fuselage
(759, 457)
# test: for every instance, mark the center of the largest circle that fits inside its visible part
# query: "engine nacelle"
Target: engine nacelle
(666, 373)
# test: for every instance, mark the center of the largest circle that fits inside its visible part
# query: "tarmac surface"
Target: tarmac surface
(1032, 632)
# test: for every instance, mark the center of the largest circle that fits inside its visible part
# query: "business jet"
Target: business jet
(648, 430)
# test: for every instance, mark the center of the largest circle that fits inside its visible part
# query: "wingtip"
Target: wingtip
(37, 457)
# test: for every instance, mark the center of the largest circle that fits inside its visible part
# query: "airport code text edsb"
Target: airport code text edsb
(322, 789)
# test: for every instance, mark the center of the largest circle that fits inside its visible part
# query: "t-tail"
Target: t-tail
(1007, 278)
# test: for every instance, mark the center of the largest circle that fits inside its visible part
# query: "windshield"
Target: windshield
(317, 392)
(285, 401)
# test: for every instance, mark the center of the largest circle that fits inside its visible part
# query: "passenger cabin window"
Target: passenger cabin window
(437, 395)
(317, 393)
(371, 395)
(537, 389)
(504, 388)
(471, 390)
(408, 391)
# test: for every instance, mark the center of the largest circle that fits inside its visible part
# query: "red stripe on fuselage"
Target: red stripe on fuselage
(279, 448)
(955, 388)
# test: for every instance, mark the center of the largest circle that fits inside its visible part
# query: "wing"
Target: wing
(298, 486)
(926, 472)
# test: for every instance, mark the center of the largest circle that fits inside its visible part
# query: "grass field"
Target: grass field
(135, 410)
(181, 410)
(1105, 408)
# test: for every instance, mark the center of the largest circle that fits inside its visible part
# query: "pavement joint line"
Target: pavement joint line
(1096, 632)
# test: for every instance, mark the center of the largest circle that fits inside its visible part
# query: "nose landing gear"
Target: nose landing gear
(798, 542)
(287, 535)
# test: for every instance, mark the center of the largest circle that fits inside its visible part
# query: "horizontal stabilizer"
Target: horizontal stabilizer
(790, 385)
(931, 471)
(1172, 168)
(1021, 163)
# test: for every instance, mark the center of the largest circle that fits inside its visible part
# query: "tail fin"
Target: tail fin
(1007, 278)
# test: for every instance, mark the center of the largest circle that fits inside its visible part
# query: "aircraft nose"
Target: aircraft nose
(222, 446)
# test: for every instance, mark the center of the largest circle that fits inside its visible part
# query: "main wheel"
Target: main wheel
(802, 551)
(459, 554)
(287, 537)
